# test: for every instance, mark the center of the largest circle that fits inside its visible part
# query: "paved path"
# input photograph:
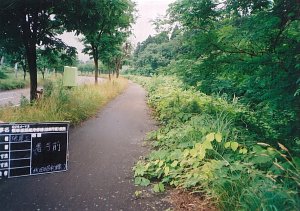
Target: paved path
(102, 153)
(12, 97)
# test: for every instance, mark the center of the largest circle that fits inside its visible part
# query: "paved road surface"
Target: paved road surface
(102, 153)
(12, 97)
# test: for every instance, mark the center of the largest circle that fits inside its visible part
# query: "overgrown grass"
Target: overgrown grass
(204, 145)
(8, 80)
(61, 104)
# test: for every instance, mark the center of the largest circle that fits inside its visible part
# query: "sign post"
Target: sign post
(70, 76)
(33, 148)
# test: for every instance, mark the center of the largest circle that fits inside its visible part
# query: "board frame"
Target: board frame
(26, 130)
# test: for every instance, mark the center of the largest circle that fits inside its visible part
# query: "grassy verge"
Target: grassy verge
(61, 104)
(204, 146)
(10, 82)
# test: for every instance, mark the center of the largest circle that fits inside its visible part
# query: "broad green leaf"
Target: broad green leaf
(193, 152)
(207, 145)
(140, 169)
(147, 166)
(137, 180)
(227, 145)
(201, 154)
(182, 163)
(156, 188)
(141, 181)
(186, 153)
(174, 164)
(243, 151)
(198, 146)
(167, 170)
(218, 137)
(161, 187)
(161, 163)
(234, 145)
(210, 137)
(145, 182)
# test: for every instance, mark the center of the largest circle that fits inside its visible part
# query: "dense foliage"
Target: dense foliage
(230, 116)
(243, 50)
(25, 25)
(29, 29)
(203, 146)
(105, 26)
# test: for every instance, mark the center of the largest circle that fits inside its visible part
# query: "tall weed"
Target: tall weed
(61, 104)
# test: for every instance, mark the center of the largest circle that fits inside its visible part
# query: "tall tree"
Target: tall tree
(99, 20)
(242, 48)
(29, 24)
(55, 58)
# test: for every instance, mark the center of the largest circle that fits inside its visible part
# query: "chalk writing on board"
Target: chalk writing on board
(4, 165)
(48, 147)
(49, 168)
(33, 148)
(4, 156)
(20, 138)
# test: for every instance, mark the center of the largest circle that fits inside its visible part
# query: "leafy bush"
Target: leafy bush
(48, 88)
(204, 145)
(8, 80)
(8, 84)
(2, 75)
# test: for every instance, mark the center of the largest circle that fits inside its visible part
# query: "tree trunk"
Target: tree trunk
(117, 67)
(96, 70)
(2, 60)
(29, 36)
(24, 70)
(43, 73)
(16, 69)
(95, 56)
(31, 58)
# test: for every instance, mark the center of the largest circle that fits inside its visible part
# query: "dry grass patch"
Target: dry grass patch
(74, 105)
(187, 201)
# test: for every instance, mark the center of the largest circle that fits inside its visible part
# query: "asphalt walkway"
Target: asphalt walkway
(103, 151)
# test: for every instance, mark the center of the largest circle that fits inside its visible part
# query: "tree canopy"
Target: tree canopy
(27, 25)
(239, 49)
(104, 24)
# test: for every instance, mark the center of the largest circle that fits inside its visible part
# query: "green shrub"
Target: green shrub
(2, 75)
(205, 144)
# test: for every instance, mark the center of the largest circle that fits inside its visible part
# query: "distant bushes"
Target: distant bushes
(209, 145)
(8, 80)
(9, 84)
(2, 75)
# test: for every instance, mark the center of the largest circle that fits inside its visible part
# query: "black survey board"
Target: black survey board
(33, 148)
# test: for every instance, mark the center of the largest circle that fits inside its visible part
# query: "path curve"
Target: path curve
(103, 151)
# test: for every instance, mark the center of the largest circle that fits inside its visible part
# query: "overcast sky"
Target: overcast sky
(147, 10)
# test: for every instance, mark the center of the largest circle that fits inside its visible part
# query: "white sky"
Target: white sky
(147, 10)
